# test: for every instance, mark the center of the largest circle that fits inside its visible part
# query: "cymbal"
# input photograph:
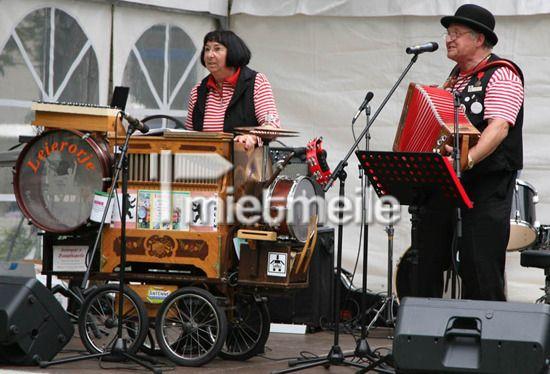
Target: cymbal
(267, 133)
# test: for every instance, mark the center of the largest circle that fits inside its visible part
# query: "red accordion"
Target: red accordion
(427, 122)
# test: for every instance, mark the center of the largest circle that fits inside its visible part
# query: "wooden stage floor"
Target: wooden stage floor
(279, 348)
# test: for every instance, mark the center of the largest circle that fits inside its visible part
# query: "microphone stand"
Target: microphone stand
(458, 226)
(119, 350)
(362, 348)
(335, 355)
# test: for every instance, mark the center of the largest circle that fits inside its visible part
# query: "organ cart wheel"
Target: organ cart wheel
(248, 328)
(98, 319)
(191, 327)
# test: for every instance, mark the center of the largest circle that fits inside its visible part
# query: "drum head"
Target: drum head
(301, 208)
(522, 235)
(523, 224)
(56, 176)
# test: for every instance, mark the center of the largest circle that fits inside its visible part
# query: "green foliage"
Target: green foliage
(24, 242)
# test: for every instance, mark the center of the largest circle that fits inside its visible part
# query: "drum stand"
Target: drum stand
(119, 350)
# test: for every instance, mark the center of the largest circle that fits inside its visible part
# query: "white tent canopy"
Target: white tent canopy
(375, 8)
(213, 7)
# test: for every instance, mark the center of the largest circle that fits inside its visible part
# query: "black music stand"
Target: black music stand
(413, 179)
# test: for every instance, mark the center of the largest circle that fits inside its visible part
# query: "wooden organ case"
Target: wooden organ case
(165, 172)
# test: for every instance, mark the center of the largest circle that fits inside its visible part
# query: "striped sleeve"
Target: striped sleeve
(264, 102)
(190, 107)
(504, 96)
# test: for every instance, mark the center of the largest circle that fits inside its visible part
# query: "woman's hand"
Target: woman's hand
(249, 141)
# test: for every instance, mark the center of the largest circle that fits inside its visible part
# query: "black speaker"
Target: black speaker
(466, 336)
(311, 306)
(33, 325)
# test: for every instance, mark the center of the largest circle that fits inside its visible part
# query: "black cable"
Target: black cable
(302, 356)
(179, 124)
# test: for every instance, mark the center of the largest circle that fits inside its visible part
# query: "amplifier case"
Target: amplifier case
(33, 325)
(311, 306)
(466, 336)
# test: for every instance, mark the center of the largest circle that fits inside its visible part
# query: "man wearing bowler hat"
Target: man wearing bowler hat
(491, 93)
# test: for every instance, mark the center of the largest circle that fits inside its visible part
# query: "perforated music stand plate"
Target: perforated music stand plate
(414, 178)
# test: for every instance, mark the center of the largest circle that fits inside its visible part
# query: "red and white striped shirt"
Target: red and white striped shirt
(217, 101)
(503, 96)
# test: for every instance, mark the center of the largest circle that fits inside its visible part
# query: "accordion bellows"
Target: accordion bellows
(427, 121)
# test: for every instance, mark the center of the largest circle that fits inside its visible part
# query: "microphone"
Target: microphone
(426, 47)
(136, 123)
(368, 98)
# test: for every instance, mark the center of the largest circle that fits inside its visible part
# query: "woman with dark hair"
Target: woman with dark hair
(232, 95)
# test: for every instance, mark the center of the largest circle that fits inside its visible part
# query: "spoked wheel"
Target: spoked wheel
(98, 319)
(248, 328)
(190, 327)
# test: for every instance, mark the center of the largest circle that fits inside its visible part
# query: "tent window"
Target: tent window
(160, 71)
(46, 57)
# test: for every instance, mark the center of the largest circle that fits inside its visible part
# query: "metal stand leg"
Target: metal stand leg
(546, 297)
(389, 300)
(390, 297)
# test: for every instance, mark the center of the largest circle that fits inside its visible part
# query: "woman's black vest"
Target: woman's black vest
(509, 154)
(240, 111)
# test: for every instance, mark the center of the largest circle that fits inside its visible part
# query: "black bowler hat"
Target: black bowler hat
(476, 17)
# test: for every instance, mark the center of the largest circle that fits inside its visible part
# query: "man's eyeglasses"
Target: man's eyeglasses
(453, 35)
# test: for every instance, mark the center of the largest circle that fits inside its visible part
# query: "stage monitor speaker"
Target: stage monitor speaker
(466, 336)
(33, 325)
(311, 306)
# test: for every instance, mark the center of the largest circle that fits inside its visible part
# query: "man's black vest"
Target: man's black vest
(509, 154)
(240, 111)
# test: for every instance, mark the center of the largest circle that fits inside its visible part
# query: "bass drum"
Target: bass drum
(56, 176)
(523, 224)
(291, 206)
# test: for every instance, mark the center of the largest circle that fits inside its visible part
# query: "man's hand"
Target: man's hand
(447, 151)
